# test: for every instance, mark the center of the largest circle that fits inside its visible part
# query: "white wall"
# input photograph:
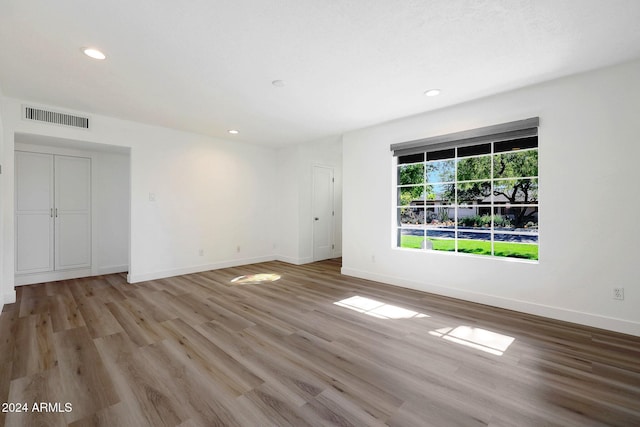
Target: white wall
(111, 173)
(6, 293)
(589, 151)
(295, 182)
(211, 194)
(288, 242)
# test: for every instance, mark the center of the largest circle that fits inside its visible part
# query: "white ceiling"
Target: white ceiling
(206, 65)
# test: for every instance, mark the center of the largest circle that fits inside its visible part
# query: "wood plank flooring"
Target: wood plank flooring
(199, 350)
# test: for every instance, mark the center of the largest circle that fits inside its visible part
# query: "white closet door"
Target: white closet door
(73, 212)
(322, 205)
(34, 212)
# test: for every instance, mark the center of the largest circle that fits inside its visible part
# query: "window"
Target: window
(476, 198)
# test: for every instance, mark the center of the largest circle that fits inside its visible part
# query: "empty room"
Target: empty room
(319, 213)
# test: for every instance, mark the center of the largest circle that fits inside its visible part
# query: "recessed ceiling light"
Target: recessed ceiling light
(233, 132)
(432, 92)
(278, 83)
(93, 53)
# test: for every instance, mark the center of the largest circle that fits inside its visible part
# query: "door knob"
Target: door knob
(316, 218)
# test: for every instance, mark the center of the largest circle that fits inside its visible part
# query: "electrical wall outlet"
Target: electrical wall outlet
(618, 293)
(201, 252)
(238, 249)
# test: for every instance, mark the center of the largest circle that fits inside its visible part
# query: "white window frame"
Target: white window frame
(397, 206)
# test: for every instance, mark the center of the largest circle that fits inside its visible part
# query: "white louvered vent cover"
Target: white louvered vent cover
(64, 119)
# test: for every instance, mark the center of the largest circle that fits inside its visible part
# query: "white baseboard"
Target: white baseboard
(582, 318)
(294, 261)
(112, 269)
(135, 278)
(8, 298)
(51, 276)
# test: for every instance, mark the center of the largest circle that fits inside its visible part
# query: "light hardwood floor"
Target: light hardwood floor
(199, 350)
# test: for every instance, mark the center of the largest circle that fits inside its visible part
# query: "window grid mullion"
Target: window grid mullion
(491, 214)
(492, 203)
(455, 201)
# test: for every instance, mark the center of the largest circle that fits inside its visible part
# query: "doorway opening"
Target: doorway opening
(72, 209)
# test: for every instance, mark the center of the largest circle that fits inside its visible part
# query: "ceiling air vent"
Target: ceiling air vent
(64, 119)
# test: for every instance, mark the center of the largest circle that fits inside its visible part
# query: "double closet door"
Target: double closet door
(53, 212)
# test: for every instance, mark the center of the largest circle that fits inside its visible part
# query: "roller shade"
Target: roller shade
(505, 131)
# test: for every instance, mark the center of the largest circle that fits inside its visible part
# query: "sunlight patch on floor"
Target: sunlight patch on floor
(480, 339)
(378, 309)
(256, 278)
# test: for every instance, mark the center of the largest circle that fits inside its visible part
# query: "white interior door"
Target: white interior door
(72, 212)
(323, 213)
(34, 212)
